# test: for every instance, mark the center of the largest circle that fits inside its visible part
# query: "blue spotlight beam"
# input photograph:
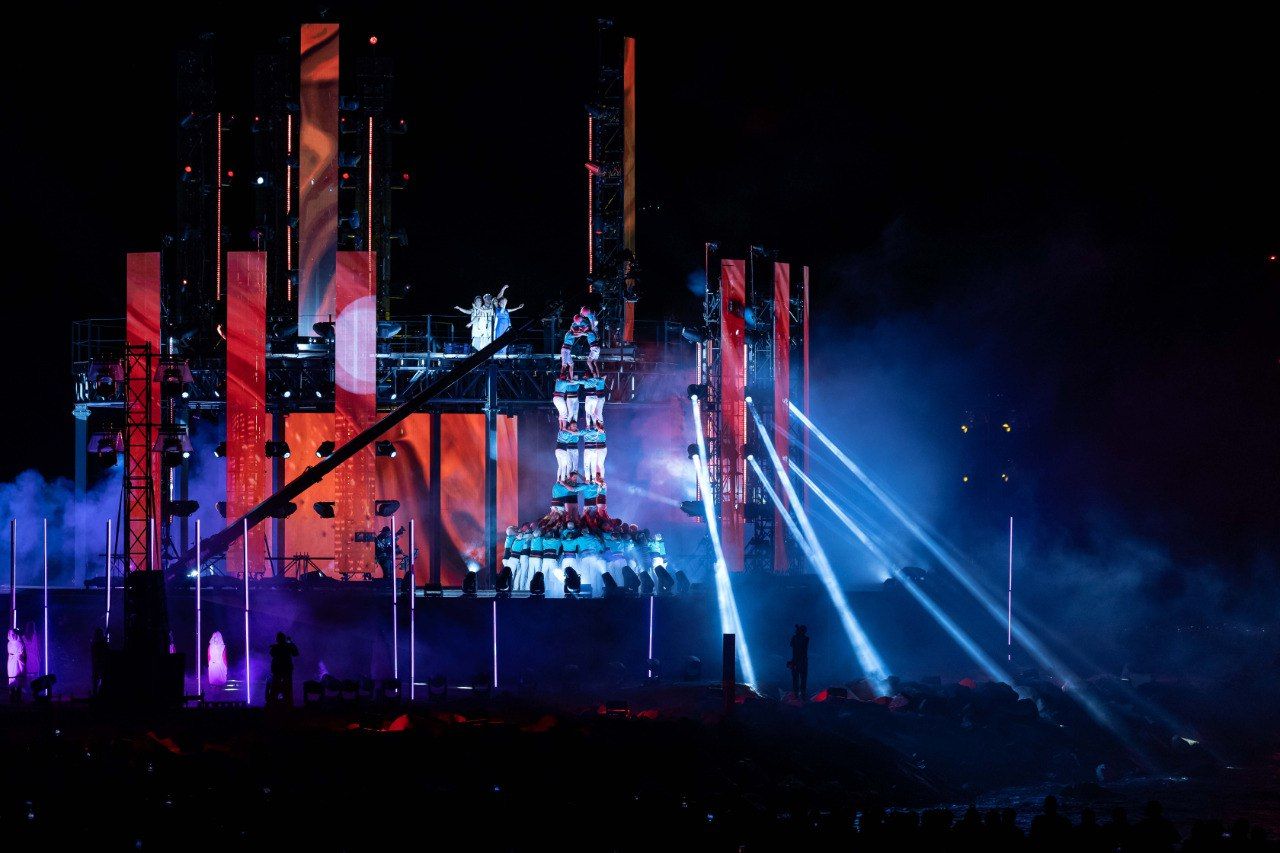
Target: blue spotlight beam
(729, 619)
(971, 648)
(872, 665)
(1031, 643)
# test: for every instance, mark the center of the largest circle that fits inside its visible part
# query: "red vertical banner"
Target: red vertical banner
(629, 172)
(733, 414)
(508, 475)
(142, 327)
(248, 470)
(355, 402)
(317, 175)
(781, 392)
(407, 478)
(805, 378)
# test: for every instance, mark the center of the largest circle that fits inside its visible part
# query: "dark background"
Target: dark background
(1076, 217)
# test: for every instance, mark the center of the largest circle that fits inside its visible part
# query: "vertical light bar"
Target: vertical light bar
(217, 219)
(107, 623)
(629, 173)
(732, 432)
(248, 681)
(805, 367)
(13, 573)
(395, 627)
(317, 175)
(288, 205)
(1009, 602)
(495, 644)
(413, 594)
(199, 627)
(45, 659)
(648, 665)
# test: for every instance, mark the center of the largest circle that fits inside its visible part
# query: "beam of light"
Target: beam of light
(413, 594)
(248, 681)
(648, 665)
(730, 623)
(395, 602)
(199, 627)
(651, 495)
(872, 665)
(495, 644)
(1037, 650)
(971, 648)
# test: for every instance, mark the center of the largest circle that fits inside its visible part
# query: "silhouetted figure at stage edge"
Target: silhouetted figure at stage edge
(280, 691)
(98, 658)
(799, 662)
(1051, 831)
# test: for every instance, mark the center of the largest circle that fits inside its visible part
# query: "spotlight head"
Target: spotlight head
(691, 336)
(502, 583)
(665, 581)
(692, 450)
(220, 450)
(646, 584)
(693, 509)
(630, 580)
(221, 507)
(385, 509)
(325, 450)
(183, 509)
(284, 510)
(538, 586)
(682, 583)
(611, 588)
(699, 391)
(469, 584)
(277, 450)
(173, 451)
(324, 509)
(385, 448)
(748, 401)
(573, 582)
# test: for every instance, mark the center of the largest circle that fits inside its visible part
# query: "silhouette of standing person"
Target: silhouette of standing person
(283, 651)
(98, 658)
(799, 662)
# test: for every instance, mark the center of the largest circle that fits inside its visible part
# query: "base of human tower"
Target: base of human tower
(577, 548)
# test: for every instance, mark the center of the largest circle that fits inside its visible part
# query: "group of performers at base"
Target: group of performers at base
(592, 544)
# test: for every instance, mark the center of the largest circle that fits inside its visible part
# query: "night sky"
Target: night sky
(1078, 218)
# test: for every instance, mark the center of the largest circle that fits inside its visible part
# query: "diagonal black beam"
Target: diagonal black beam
(219, 542)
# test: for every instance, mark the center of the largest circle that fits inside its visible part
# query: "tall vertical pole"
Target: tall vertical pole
(648, 664)
(1009, 604)
(436, 501)
(248, 682)
(13, 572)
(199, 627)
(107, 624)
(81, 540)
(495, 644)
(45, 629)
(395, 625)
(491, 473)
(729, 671)
(277, 483)
(413, 594)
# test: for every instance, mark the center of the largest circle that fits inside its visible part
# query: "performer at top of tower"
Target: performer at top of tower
(502, 315)
(590, 317)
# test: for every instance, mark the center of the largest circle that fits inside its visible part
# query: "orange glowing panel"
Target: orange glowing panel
(142, 326)
(318, 175)
(781, 392)
(308, 532)
(733, 382)
(248, 470)
(355, 401)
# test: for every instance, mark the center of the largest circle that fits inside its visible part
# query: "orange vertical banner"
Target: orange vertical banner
(248, 471)
(355, 402)
(781, 392)
(733, 414)
(317, 175)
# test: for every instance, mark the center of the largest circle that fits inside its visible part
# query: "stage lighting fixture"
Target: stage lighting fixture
(385, 448)
(323, 330)
(965, 478)
(220, 450)
(278, 450)
(42, 688)
(573, 582)
(324, 509)
(964, 428)
(502, 582)
(538, 586)
(690, 335)
(221, 507)
(665, 581)
(693, 668)
(682, 583)
(611, 588)
(388, 329)
(693, 509)
(646, 584)
(284, 510)
(692, 450)
(183, 508)
(699, 391)
(1006, 427)
(1004, 477)
(630, 580)
(469, 584)
(385, 509)
(325, 450)
(173, 451)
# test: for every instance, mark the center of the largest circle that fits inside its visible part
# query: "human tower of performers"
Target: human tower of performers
(578, 536)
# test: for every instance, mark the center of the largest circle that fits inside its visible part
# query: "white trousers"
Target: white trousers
(564, 463)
